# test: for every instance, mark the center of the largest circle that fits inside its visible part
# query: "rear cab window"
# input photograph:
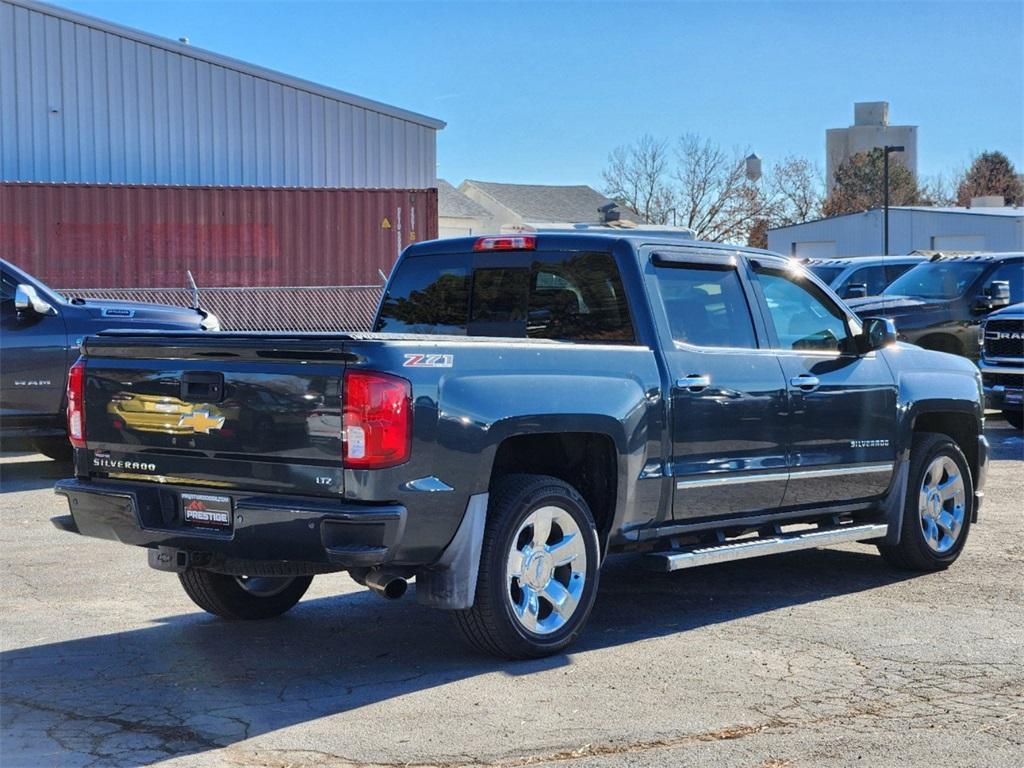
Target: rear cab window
(568, 296)
(706, 305)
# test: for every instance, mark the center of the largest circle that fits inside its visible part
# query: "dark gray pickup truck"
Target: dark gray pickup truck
(526, 406)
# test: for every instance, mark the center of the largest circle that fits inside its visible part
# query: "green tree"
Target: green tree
(991, 173)
(858, 184)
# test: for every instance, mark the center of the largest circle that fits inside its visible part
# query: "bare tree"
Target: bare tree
(704, 187)
(940, 189)
(795, 188)
(637, 175)
(715, 199)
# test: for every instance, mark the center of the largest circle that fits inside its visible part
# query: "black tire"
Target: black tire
(1014, 418)
(56, 448)
(913, 552)
(491, 625)
(224, 595)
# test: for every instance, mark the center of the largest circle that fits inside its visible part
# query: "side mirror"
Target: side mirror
(856, 291)
(878, 332)
(27, 299)
(999, 294)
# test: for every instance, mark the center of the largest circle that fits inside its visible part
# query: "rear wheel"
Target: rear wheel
(243, 597)
(1015, 418)
(538, 569)
(56, 448)
(938, 508)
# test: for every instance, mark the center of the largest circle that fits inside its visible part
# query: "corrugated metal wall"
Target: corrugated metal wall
(860, 234)
(85, 236)
(82, 101)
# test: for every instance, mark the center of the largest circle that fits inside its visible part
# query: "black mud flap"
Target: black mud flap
(450, 583)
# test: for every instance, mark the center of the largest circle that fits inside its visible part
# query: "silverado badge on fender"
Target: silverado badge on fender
(201, 421)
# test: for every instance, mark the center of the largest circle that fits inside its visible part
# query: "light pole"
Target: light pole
(885, 183)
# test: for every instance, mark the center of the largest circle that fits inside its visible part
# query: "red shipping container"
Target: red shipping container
(110, 236)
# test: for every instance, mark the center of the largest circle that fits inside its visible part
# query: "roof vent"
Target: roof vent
(609, 212)
(988, 201)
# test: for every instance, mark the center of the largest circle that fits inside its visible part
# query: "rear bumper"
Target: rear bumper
(323, 532)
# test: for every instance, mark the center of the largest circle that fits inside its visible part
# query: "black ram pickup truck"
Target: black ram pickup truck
(526, 406)
(1002, 363)
(941, 303)
(41, 334)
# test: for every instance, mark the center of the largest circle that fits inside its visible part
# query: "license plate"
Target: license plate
(206, 510)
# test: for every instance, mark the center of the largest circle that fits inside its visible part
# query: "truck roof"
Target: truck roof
(547, 241)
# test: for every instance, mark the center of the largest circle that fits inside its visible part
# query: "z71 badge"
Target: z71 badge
(429, 361)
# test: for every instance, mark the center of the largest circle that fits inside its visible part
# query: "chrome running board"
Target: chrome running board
(676, 559)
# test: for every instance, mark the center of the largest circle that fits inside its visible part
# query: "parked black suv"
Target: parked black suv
(1002, 362)
(940, 304)
(41, 334)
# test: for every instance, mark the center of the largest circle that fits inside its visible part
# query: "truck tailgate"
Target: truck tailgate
(253, 412)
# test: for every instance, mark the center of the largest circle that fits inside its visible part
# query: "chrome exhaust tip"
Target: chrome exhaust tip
(387, 584)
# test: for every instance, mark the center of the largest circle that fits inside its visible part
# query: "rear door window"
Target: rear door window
(706, 306)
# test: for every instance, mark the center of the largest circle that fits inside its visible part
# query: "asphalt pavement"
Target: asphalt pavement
(818, 658)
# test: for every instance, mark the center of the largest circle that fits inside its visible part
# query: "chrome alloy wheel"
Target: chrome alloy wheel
(264, 586)
(942, 504)
(546, 570)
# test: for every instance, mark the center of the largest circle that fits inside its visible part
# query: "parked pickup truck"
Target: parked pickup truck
(41, 334)
(1002, 362)
(527, 405)
(941, 303)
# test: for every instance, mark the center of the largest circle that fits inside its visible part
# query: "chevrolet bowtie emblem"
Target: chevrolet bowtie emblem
(201, 421)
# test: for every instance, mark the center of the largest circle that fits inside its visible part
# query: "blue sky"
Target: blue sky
(541, 92)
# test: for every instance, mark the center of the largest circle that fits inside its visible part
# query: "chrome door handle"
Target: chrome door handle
(695, 382)
(805, 381)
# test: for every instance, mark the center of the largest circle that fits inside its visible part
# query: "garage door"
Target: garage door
(819, 249)
(958, 243)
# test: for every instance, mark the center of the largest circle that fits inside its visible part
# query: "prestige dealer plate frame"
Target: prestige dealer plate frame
(207, 510)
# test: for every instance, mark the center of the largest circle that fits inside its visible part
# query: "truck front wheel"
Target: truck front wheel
(538, 569)
(243, 597)
(938, 508)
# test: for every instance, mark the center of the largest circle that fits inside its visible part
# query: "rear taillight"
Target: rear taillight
(377, 421)
(76, 404)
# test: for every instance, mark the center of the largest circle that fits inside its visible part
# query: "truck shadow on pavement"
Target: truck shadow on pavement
(193, 683)
(1005, 442)
(32, 475)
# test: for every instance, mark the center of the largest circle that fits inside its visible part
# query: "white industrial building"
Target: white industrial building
(911, 228)
(84, 100)
(870, 130)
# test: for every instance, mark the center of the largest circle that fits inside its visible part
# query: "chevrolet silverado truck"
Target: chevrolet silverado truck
(41, 335)
(527, 405)
(1002, 363)
(941, 303)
